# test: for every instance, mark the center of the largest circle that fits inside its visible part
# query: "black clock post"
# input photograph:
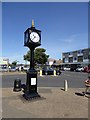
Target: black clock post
(32, 39)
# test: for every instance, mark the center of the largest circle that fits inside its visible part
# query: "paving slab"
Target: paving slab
(54, 103)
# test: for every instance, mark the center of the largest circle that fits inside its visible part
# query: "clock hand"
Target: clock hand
(34, 37)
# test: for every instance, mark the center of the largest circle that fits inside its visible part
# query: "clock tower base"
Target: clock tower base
(30, 91)
(31, 96)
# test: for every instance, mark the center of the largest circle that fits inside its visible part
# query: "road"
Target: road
(75, 79)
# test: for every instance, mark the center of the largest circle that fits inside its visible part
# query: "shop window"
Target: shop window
(80, 59)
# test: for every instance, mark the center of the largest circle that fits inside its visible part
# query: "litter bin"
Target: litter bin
(17, 85)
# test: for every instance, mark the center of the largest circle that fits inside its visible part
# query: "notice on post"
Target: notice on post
(33, 81)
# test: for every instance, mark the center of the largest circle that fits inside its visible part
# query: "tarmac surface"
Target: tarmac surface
(75, 79)
(53, 103)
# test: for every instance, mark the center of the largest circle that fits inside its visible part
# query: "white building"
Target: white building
(4, 62)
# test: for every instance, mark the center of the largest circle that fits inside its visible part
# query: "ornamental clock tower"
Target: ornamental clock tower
(32, 39)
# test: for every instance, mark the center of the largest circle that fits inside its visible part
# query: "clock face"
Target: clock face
(34, 37)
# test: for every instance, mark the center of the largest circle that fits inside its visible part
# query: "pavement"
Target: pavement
(53, 103)
(12, 73)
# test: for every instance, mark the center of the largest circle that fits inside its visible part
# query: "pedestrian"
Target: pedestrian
(87, 84)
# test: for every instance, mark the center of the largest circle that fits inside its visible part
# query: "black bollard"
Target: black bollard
(17, 85)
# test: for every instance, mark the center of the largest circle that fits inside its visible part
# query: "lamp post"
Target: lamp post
(32, 39)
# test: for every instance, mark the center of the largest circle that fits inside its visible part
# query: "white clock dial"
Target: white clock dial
(34, 37)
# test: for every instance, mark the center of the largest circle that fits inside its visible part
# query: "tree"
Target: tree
(14, 63)
(27, 56)
(40, 57)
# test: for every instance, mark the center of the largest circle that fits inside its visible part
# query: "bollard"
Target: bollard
(17, 85)
(40, 72)
(54, 72)
(65, 85)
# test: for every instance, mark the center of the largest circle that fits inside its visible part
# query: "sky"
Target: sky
(64, 27)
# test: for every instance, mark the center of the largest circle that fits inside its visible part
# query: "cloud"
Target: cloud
(71, 38)
(74, 42)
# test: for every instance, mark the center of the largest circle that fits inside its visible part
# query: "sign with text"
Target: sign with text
(33, 81)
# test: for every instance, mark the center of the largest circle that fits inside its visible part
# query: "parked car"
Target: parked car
(58, 72)
(3, 69)
(66, 68)
(50, 71)
(26, 68)
(12, 69)
(79, 69)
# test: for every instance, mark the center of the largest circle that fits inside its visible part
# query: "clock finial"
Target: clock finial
(32, 23)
